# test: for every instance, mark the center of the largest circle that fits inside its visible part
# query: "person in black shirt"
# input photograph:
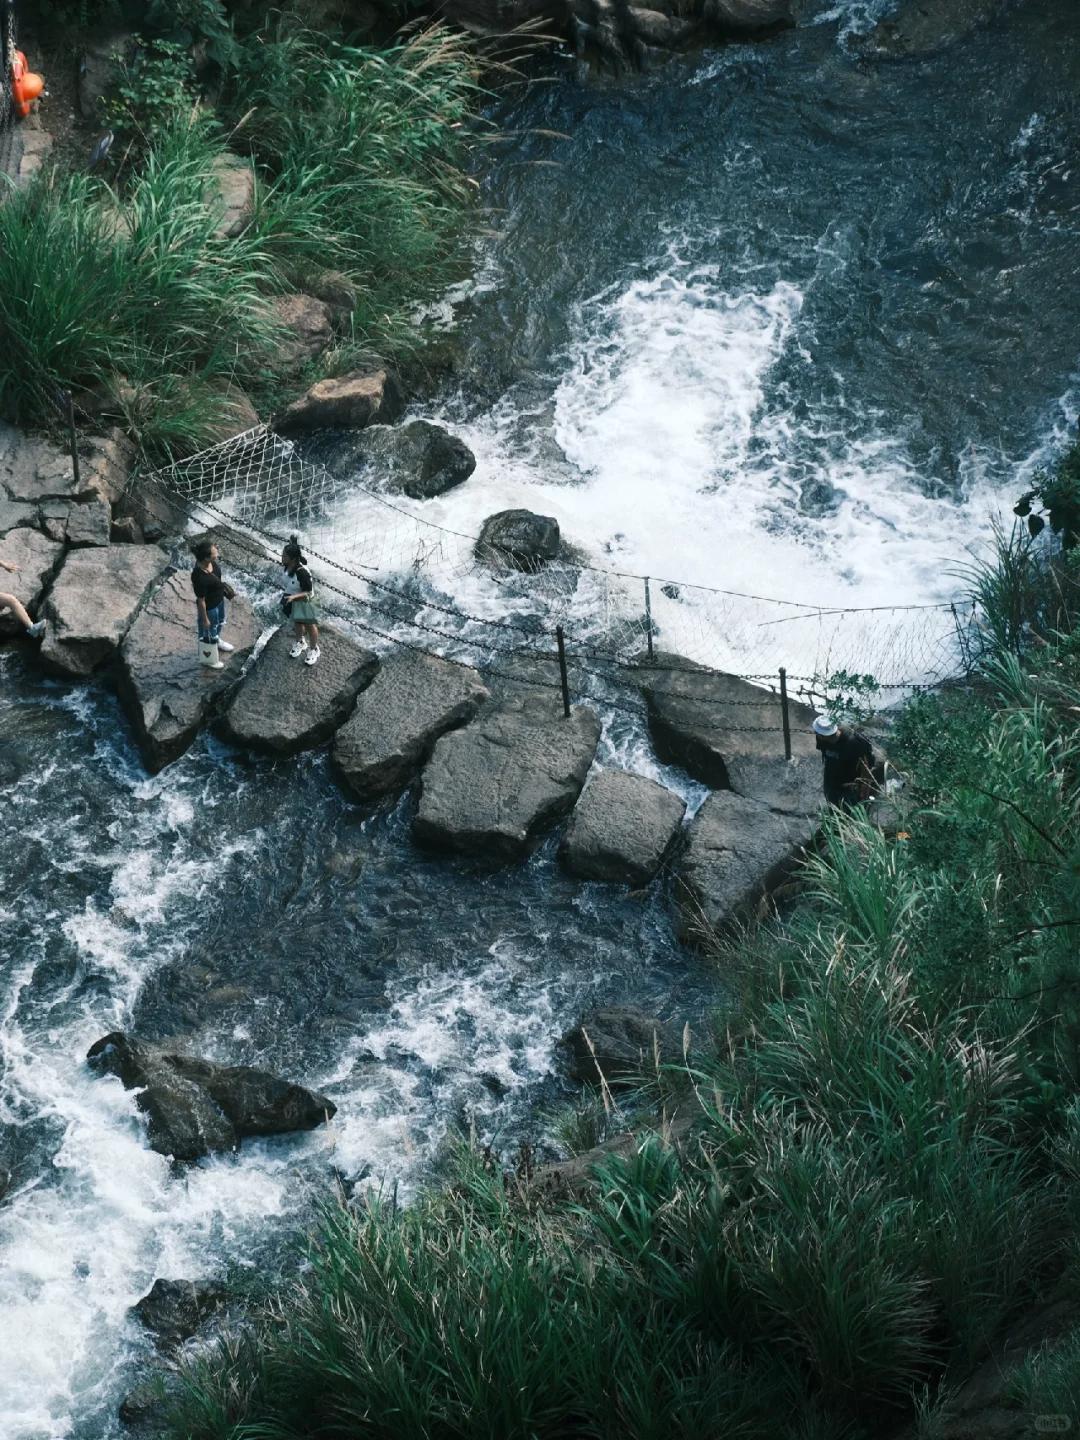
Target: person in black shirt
(211, 592)
(847, 763)
(300, 603)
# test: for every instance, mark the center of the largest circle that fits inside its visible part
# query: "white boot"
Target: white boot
(208, 655)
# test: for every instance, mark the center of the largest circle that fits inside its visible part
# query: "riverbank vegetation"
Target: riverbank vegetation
(880, 1174)
(125, 283)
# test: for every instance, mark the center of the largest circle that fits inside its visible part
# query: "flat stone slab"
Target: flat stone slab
(411, 702)
(794, 787)
(737, 850)
(32, 469)
(37, 558)
(166, 692)
(702, 719)
(89, 523)
(93, 602)
(621, 829)
(283, 706)
(14, 513)
(494, 787)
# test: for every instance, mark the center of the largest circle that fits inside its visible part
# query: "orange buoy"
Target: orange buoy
(25, 85)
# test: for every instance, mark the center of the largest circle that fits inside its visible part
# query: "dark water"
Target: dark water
(777, 318)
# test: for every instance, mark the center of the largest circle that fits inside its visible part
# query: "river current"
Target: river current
(776, 318)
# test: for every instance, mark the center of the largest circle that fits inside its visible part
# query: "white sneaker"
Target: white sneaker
(36, 630)
(224, 645)
(312, 657)
(298, 649)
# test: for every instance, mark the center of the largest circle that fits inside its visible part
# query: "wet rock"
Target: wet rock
(737, 851)
(89, 523)
(142, 1405)
(704, 720)
(923, 27)
(93, 602)
(364, 397)
(233, 180)
(571, 1179)
(284, 706)
(620, 1043)
(739, 19)
(24, 1150)
(174, 1309)
(411, 702)
(420, 460)
(306, 331)
(36, 558)
(621, 829)
(195, 1107)
(666, 32)
(166, 692)
(519, 539)
(494, 787)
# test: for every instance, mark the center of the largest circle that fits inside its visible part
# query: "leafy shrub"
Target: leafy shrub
(153, 86)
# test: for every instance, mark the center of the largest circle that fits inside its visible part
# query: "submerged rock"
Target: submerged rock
(36, 558)
(195, 1107)
(621, 828)
(923, 27)
(737, 851)
(174, 1309)
(518, 539)
(284, 706)
(620, 1043)
(93, 602)
(494, 787)
(411, 702)
(166, 692)
(364, 397)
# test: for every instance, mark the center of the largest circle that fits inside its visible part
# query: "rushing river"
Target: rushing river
(774, 318)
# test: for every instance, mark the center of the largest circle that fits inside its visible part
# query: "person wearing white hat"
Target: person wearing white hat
(847, 762)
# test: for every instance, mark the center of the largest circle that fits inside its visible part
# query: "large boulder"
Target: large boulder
(620, 1043)
(283, 706)
(173, 1310)
(737, 851)
(704, 721)
(494, 787)
(35, 557)
(195, 1107)
(166, 692)
(420, 459)
(518, 539)
(93, 602)
(306, 331)
(413, 700)
(347, 402)
(739, 19)
(32, 469)
(233, 190)
(621, 828)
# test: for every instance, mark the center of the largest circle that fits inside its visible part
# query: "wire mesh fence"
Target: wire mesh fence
(428, 584)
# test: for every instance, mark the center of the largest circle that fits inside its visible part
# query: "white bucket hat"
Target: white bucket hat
(825, 725)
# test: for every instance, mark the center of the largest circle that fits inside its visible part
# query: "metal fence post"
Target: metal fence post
(648, 617)
(561, 640)
(73, 439)
(784, 713)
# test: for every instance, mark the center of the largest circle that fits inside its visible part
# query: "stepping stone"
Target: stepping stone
(621, 829)
(284, 706)
(411, 702)
(706, 722)
(166, 692)
(494, 787)
(37, 558)
(94, 601)
(737, 850)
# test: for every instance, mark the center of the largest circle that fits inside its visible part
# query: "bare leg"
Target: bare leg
(314, 636)
(17, 609)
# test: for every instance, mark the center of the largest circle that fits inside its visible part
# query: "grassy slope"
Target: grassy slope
(362, 172)
(883, 1172)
